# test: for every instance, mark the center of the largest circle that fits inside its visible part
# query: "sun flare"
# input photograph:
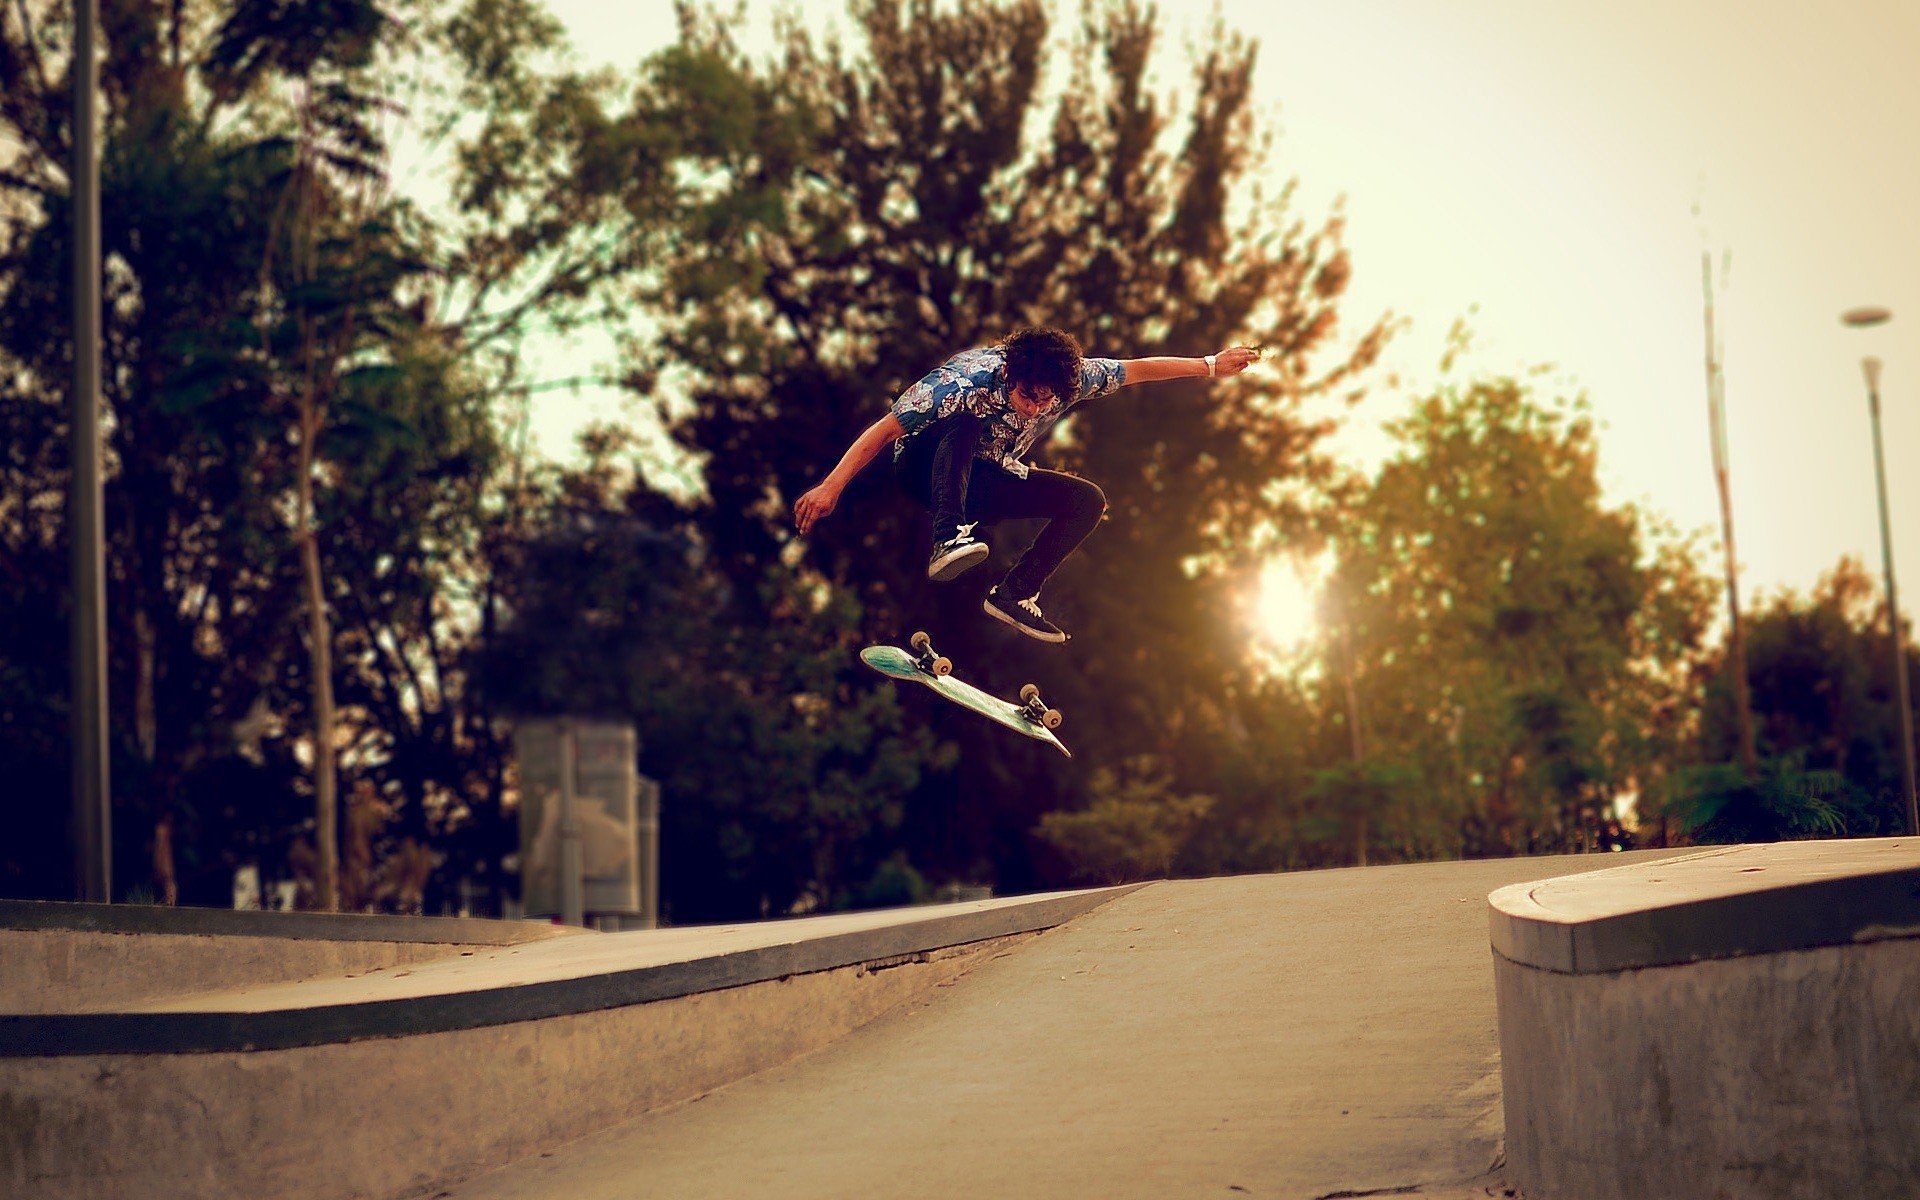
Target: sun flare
(1283, 612)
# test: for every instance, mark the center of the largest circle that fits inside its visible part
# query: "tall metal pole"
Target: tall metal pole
(92, 816)
(1717, 422)
(1871, 367)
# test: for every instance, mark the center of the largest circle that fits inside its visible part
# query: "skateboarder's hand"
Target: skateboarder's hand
(1233, 360)
(815, 504)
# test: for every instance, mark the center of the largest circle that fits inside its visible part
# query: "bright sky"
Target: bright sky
(1538, 165)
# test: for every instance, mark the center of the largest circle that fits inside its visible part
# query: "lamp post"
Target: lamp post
(92, 811)
(1864, 318)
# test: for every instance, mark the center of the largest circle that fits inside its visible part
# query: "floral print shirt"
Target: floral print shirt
(976, 381)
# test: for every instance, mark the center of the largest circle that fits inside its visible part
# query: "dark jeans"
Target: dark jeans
(937, 467)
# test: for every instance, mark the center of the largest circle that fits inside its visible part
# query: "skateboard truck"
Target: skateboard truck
(937, 665)
(1034, 709)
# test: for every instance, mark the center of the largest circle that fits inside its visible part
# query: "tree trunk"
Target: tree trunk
(320, 638)
(146, 733)
(165, 878)
(1359, 746)
(1742, 702)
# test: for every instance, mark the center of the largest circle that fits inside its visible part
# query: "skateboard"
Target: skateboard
(919, 663)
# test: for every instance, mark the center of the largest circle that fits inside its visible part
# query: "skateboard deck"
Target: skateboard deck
(904, 664)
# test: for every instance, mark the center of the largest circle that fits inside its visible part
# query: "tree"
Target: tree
(1778, 800)
(1516, 641)
(1358, 802)
(1274, 737)
(1133, 829)
(865, 209)
(781, 784)
(1825, 709)
(330, 292)
(226, 317)
(186, 528)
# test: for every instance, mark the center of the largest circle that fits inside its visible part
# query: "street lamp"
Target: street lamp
(92, 791)
(1866, 318)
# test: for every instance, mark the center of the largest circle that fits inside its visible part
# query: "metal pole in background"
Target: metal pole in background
(1871, 367)
(1866, 317)
(92, 815)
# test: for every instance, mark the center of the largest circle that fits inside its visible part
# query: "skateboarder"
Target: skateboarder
(959, 439)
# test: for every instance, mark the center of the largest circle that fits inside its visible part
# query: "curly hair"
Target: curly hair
(1043, 357)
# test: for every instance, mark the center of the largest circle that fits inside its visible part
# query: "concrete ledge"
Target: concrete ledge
(1737, 1022)
(570, 1036)
(222, 922)
(1720, 903)
(534, 983)
(101, 957)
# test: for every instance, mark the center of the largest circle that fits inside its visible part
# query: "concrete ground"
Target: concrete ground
(1299, 1037)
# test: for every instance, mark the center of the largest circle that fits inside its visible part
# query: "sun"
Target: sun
(1282, 610)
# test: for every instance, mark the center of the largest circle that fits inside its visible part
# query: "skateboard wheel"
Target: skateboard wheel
(1027, 693)
(1052, 718)
(942, 666)
(919, 641)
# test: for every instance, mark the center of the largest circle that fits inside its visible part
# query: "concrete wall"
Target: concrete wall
(1731, 1024)
(1790, 1075)
(401, 1116)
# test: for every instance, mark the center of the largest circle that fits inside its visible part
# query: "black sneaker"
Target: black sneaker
(955, 555)
(1023, 615)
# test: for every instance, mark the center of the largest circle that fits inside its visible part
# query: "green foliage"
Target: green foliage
(255, 258)
(1513, 639)
(1271, 737)
(555, 200)
(1720, 803)
(782, 782)
(1820, 674)
(264, 39)
(784, 245)
(894, 884)
(1134, 827)
(1357, 810)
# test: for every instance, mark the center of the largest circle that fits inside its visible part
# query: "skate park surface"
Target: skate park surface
(1226, 1037)
(1309, 1035)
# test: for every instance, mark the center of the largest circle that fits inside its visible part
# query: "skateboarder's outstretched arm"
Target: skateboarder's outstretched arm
(1231, 361)
(821, 499)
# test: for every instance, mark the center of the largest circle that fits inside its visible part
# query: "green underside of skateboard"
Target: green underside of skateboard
(900, 664)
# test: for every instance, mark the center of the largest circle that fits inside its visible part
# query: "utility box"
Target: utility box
(585, 818)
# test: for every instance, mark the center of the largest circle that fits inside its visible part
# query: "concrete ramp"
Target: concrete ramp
(1732, 1022)
(1288, 1037)
(395, 1079)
